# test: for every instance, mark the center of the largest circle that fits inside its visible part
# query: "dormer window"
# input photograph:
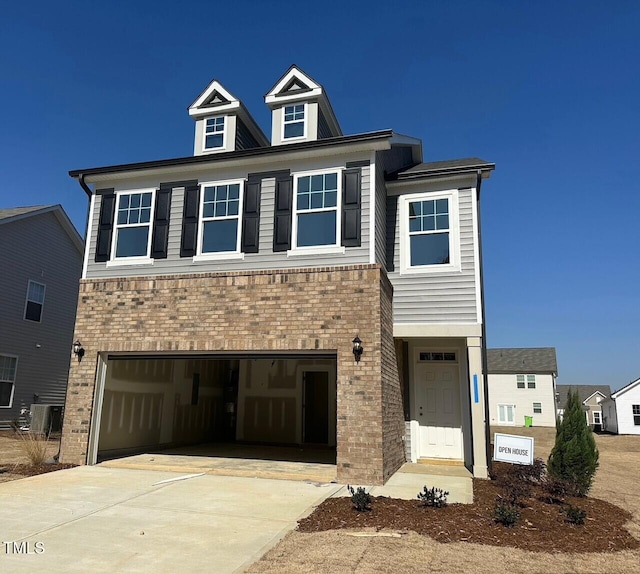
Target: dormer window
(214, 133)
(294, 121)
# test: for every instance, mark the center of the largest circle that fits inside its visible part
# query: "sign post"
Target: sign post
(512, 448)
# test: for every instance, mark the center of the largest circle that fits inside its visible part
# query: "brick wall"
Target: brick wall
(287, 310)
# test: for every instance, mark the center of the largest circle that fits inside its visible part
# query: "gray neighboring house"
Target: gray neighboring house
(41, 262)
(522, 386)
(591, 397)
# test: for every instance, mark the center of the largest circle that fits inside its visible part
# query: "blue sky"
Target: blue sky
(548, 91)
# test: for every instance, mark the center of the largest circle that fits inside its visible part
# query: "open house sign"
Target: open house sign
(512, 448)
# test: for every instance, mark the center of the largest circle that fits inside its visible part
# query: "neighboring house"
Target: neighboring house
(522, 386)
(222, 294)
(41, 262)
(621, 411)
(591, 397)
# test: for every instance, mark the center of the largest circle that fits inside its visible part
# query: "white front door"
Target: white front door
(506, 414)
(438, 411)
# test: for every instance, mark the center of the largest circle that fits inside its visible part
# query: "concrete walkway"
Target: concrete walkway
(101, 519)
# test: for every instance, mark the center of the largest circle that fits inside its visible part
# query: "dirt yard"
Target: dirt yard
(13, 456)
(367, 551)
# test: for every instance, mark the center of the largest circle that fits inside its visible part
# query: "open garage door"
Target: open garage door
(149, 403)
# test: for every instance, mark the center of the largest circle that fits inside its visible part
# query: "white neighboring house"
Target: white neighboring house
(591, 397)
(621, 412)
(522, 384)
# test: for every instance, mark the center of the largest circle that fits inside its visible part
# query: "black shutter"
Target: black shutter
(105, 225)
(160, 238)
(351, 211)
(251, 217)
(190, 220)
(283, 208)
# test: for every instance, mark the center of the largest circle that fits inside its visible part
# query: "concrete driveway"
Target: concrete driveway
(100, 519)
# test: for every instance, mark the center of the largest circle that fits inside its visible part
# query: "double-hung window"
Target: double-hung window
(293, 125)
(537, 408)
(635, 409)
(220, 209)
(317, 202)
(429, 232)
(530, 380)
(133, 225)
(214, 133)
(35, 302)
(8, 366)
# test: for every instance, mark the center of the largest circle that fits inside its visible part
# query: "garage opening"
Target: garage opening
(276, 407)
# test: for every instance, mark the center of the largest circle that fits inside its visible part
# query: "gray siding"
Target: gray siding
(323, 126)
(264, 259)
(37, 248)
(437, 298)
(244, 139)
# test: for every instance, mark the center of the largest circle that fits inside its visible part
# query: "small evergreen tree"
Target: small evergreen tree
(574, 458)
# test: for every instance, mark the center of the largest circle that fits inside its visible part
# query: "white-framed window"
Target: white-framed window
(316, 214)
(220, 219)
(294, 123)
(214, 132)
(506, 414)
(635, 409)
(537, 408)
(429, 232)
(597, 418)
(530, 381)
(8, 366)
(35, 302)
(132, 229)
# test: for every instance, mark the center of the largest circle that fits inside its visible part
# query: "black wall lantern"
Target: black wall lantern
(357, 348)
(78, 351)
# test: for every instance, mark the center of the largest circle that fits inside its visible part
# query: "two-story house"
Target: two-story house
(315, 289)
(41, 262)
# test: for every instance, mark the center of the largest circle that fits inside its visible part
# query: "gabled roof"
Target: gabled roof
(296, 85)
(585, 392)
(216, 99)
(11, 214)
(521, 361)
(626, 388)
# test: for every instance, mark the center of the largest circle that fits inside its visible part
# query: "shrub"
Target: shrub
(533, 473)
(506, 513)
(434, 497)
(34, 447)
(574, 457)
(556, 489)
(360, 498)
(575, 515)
(514, 488)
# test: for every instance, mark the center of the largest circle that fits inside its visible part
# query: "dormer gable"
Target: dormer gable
(300, 110)
(223, 123)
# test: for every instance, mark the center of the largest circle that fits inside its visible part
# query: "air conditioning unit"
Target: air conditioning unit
(46, 419)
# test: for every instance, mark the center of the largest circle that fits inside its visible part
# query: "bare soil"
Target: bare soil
(467, 542)
(14, 462)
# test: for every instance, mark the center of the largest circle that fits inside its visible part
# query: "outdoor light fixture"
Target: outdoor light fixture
(357, 348)
(78, 351)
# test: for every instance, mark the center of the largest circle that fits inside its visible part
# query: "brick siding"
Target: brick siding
(285, 310)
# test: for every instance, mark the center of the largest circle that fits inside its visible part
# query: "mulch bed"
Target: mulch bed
(33, 470)
(542, 526)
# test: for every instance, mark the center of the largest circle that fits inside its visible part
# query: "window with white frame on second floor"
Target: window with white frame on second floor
(35, 302)
(635, 409)
(220, 209)
(429, 232)
(133, 224)
(8, 366)
(214, 132)
(530, 381)
(293, 124)
(316, 210)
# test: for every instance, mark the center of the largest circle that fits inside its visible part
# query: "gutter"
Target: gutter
(89, 193)
(485, 382)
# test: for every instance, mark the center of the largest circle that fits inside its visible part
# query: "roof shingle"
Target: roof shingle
(531, 360)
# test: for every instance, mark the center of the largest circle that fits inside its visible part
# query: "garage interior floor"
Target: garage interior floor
(232, 459)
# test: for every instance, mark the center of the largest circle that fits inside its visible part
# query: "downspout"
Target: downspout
(89, 193)
(485, 383)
